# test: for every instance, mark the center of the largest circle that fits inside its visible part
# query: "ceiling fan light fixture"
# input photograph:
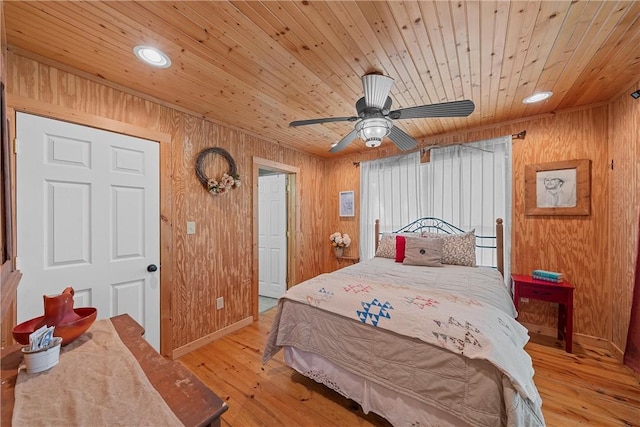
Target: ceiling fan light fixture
(537, 97)
(373, 130)
(376, 89)
(375, 120)
(152, 56)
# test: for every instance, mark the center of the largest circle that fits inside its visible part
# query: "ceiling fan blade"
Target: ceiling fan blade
(445, 109)
(376, 89)
(344, 142)
(325, 120)
(401, 139)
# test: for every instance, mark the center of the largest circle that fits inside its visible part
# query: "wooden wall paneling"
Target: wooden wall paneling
(216, 261)
(624, 142)
(346, 178)
(575, 245)
(172, 122)
(193, 272)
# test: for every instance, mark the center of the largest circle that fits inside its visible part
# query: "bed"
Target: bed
(418, 334)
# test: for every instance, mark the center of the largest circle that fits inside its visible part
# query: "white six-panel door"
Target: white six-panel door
(88, 217)
(272, 235)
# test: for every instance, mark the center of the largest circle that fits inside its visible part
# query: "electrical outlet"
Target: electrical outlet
(191, 227)
(220, 303)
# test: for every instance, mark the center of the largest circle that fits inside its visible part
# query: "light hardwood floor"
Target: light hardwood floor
(588, 387)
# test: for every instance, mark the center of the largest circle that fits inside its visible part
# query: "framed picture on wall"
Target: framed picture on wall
(347, 203)
(558, 188)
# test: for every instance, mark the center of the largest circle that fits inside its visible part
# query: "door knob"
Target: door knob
(151, 268)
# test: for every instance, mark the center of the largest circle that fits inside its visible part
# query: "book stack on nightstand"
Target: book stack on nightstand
(548, 276)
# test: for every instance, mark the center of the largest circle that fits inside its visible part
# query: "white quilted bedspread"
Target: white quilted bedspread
(464, 310)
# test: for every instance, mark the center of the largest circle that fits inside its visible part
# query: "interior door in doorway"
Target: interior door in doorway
(88, 217)
(272, 232)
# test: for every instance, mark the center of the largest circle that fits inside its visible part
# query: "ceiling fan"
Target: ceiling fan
(375, 118)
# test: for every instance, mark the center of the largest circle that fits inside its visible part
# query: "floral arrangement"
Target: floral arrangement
(339, 240)
(229, 180)
(226, 183)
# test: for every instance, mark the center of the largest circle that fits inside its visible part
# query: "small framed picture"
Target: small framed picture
(558, 188)
(347, 203)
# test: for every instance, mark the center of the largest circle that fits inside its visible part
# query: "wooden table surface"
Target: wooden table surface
(190, 400)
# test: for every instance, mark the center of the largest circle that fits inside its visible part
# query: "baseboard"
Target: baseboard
(201, 342)
(616, 352)
(577, 338)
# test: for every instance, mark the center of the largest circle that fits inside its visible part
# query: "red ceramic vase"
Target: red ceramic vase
(69, 322)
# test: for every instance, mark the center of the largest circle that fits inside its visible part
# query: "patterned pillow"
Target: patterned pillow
(387, 245)
(457, 249)
(420, 251)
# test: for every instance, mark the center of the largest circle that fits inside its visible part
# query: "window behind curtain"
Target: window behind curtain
(390, 192)
(468, 186)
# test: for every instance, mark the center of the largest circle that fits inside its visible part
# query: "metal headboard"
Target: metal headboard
(437, 225)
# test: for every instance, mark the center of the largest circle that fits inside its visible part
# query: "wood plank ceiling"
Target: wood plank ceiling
(257, 66)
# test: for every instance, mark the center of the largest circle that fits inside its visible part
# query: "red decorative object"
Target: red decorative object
(562, 293)
(401, 244)
(70, 323)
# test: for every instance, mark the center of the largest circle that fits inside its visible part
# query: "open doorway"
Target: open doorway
(272, 238)
(275, 228)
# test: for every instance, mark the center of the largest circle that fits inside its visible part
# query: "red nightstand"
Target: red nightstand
(561, 293)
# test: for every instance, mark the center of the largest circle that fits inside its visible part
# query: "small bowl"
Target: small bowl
(68, 332)
(43, 359)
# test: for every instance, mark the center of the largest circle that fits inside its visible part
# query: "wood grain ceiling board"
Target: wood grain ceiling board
(258, 65)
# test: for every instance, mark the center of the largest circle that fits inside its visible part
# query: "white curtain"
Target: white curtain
(389, 191)
(467, 185)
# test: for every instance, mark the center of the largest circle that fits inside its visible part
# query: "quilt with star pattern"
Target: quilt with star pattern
(459, 319)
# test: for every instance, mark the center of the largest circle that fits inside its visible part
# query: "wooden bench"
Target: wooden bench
(190, 400)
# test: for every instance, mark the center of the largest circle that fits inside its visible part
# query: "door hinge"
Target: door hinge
(17, 263)
(16, 145)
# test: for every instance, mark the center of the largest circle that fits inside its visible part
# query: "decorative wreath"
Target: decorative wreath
(229, 179)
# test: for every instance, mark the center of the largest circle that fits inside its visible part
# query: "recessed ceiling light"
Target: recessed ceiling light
(152, 56)
(537, 97)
